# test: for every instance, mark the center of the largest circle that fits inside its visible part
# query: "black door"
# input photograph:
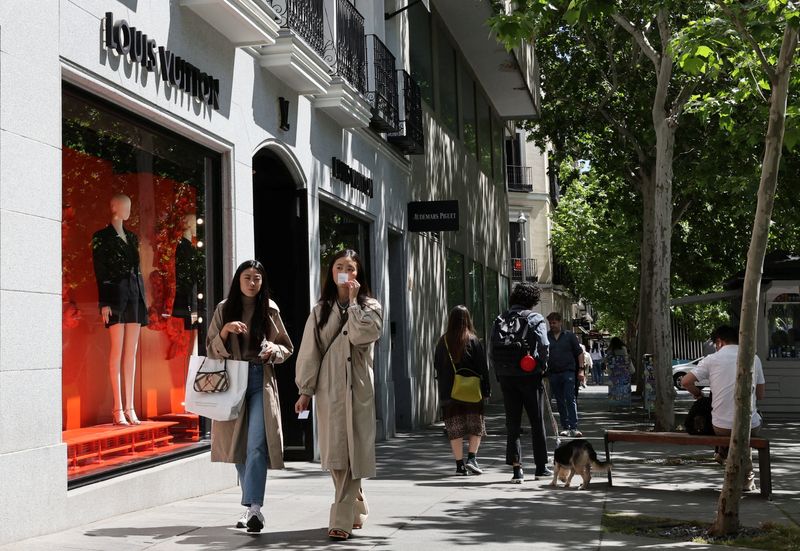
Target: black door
(281, 244)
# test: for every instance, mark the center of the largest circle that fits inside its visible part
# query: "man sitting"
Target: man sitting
(720, 370)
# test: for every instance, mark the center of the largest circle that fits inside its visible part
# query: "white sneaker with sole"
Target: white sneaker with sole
(255, 521)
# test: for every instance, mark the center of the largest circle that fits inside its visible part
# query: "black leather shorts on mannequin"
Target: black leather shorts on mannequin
(129, 306)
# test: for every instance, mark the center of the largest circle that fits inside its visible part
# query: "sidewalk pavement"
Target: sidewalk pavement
(417, 502)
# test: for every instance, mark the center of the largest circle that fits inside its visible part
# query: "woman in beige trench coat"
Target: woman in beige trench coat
(335, 366)
(247, 326)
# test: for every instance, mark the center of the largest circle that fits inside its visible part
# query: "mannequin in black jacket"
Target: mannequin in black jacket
(120, 290)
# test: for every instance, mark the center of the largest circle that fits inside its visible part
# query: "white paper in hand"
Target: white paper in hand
(303, 414)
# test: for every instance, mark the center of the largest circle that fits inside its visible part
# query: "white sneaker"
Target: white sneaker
(255, 521)
(242, 522)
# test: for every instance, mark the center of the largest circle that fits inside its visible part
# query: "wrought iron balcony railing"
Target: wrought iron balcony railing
(524, 269)
(382, 83)
(351, 51)
(305, 18)
(519, 178)
(410, 137)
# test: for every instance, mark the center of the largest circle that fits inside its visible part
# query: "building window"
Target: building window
(505, 288)
(341, 230)
(135, 250)
(497, 151)
(476, 305)
(469, 125)
(484, 135)
(492, 295)
(419, 22)
(516, 239)
(456, 293)
(447, 81)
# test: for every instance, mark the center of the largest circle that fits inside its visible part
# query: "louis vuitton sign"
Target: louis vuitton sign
(129, 41)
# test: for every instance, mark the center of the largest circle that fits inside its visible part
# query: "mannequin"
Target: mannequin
(120, 289)
(186, 274)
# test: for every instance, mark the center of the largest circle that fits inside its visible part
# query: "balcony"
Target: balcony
(242, 22)
(524, 269)
(410, 137)
(382, 84)
(297, 55)
(519, 178)
(343, 100)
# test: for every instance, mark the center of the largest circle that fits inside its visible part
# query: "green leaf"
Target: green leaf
(704, 51)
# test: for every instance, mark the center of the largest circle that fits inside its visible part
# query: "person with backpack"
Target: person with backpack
(566, 370)
(518, 355)
(460, 351)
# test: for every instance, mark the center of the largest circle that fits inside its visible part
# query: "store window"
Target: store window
(419, 23)
(341, 230)
(476, 305)
(448, 81)
(505, 289)
(783, 319)
(135, 246)
(456, 292)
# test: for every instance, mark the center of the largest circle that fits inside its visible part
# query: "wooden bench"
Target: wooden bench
(685, 439)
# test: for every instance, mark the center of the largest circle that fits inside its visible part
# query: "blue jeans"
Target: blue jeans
(597, 372)
(563, 386)
(253, 472)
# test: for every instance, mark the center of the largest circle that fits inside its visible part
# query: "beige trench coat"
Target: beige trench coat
(229, 438)
(342, 383)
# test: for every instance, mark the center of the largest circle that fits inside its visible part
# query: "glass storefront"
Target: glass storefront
(783, 325)
(340, 230)
(476, 298)
(456, 292)
(136, 246)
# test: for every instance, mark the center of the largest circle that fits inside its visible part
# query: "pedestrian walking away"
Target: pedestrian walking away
(247, 326)
(334, 365)
(460, 351)
(518, 355)
(565, 371)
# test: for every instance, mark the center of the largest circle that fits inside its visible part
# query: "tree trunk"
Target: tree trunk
(662, 253)
(644, 340)
(727, 520)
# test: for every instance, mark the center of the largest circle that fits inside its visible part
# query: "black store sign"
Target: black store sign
(130, 41)
(353, 178)
(433, 216)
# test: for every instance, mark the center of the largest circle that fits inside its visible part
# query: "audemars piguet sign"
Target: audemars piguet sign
(132, 42)
(433, 216)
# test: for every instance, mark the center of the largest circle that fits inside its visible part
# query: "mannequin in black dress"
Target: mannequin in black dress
(120, 288)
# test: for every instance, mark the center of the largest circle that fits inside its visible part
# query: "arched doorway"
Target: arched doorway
(280, 218)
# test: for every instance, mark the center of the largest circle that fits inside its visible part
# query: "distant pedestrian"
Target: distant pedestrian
(522, 380)
(597, 365)
(587, 363)
(565, 371)
(334, 365)
(460, 350)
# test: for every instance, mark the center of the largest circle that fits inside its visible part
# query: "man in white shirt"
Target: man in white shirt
(720, 370)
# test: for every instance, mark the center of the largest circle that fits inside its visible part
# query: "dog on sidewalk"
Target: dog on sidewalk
(576, 457)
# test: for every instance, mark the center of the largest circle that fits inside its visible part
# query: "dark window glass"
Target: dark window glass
(484, 135)
(341, 230)
(497, 150)
(419, 22)
(456, 293)
(448, 83)
(469, 125)
(476, 306)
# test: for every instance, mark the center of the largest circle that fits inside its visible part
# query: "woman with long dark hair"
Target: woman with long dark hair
(247, 326)
(459, 349)
(334, 365)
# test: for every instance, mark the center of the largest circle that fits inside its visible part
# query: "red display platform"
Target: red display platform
(186, 427)
(93, 444)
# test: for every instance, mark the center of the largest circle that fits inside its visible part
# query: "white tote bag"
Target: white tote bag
(219, 406)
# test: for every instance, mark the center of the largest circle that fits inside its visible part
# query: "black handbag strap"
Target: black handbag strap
(454, 364)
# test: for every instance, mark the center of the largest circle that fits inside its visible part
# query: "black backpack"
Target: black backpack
(510, 342)
(698, 420)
